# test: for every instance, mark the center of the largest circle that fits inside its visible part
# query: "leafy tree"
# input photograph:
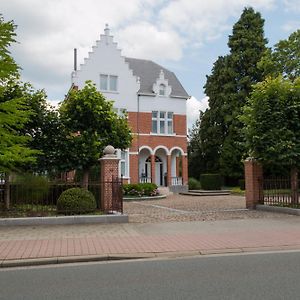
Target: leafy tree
(14, 113)
(91, 124)
(8, 67)
(272, 124)
(284, 59)
(228, 87)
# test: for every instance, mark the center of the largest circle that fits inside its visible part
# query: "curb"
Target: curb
(278, 209)
(64, 220)
(141, 255)
(144, 198)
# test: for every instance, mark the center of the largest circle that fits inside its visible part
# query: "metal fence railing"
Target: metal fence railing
(278, 192)
(41, 200)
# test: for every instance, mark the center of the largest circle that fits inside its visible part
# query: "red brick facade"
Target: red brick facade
(141, 125)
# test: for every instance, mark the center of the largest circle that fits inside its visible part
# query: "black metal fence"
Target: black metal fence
(278, 192)
(41, 200)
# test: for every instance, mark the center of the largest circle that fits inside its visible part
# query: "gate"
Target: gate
(112, 196)
(278, 192)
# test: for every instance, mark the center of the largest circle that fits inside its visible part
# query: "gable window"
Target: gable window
(108, 83)
(103, 82)
(162, 90)
(162, 122)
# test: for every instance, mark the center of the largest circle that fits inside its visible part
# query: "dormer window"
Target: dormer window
(162, 90)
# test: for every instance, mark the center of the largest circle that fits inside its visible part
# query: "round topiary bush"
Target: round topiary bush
(76, 201)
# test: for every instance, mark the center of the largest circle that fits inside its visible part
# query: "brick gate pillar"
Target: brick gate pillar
(253, 182)
(109, 164)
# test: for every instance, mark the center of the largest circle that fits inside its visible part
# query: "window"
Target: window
(113, 80)
(108, 83)
(170, 122)
(103, 82)
(154, 121)
(123, 155)
(162, 122)
(122, 112)
(162, 90)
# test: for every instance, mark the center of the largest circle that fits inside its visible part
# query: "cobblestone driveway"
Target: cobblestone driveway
(181, 208)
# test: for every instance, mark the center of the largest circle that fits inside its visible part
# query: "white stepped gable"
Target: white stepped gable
(105, 59)
(162, 82)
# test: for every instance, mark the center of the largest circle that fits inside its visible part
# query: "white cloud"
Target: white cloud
(193, 109)
(143, 40)
(292, 5)
(201, 21)
(291, 26)
(48, 31)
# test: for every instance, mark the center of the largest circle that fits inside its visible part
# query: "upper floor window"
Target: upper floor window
(108, 82)
(162, 122)
(162, 90)
(122, 112)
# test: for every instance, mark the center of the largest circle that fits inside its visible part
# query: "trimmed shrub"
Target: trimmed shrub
(242, 184)
(194, 184)
(76, 200)
(140, 189)
(211, 181)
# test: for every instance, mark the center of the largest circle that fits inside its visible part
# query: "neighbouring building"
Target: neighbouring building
(155, 103)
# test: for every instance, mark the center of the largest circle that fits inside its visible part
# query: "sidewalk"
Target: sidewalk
(70, 243)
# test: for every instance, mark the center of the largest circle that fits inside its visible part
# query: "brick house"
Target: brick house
(155, 102)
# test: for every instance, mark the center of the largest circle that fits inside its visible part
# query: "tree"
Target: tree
(228, 87)
(91, 124)
(8, 67)
(14, 113)
(284, 59)
(272, 124)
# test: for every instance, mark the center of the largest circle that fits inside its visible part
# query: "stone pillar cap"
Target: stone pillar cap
(109, 150)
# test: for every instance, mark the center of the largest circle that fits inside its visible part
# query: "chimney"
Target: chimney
(75, 59)
(106, 30)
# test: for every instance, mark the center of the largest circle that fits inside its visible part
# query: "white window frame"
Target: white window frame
(165, 119)
(108, 83)
(123, 160)
(155, 119)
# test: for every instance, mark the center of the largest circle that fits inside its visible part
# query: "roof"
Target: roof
(148, 71)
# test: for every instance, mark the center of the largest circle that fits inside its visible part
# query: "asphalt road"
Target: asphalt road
(256, 276)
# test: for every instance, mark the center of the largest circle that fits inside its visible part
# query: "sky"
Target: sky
(185, 36)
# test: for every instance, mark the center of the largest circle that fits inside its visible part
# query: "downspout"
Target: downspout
(138, 134)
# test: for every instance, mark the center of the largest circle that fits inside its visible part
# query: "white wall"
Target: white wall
(175, 105)
(106, 59)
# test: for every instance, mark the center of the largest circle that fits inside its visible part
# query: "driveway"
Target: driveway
(182, 208)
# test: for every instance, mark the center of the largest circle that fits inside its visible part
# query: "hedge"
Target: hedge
(211, 181)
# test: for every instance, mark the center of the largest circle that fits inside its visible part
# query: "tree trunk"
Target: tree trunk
(294, 184)
(7, 191)
(85, 178)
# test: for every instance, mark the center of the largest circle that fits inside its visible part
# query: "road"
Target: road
(252, 276)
